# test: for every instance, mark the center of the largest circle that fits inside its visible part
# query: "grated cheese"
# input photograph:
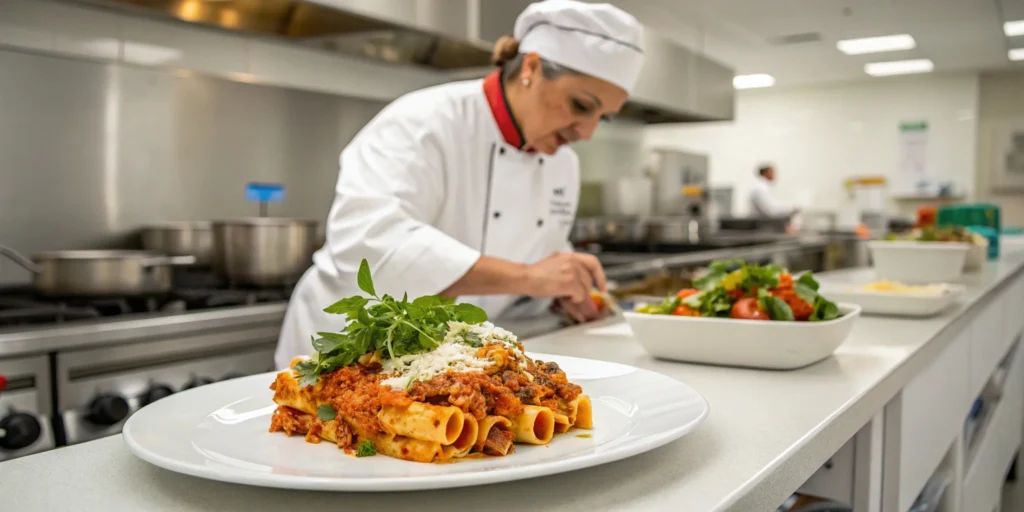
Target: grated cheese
(421, 367)
(453, 354)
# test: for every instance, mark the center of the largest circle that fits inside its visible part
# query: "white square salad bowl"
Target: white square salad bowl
(746, 343)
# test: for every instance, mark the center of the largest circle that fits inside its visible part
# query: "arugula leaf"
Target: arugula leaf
(470, 314)
(364, 280)
(349, 306)
(473, 339)
(385, 325)
(307, 373)
(776, 308)
(326, 412)
(366, 449)
(711, 303)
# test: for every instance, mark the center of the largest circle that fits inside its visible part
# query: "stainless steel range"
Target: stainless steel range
(76, 369)
(25, 406)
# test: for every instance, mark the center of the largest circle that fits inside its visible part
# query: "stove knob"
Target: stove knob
(232, 375)
(154, 393)
(195, 382)
(107, 409)
(18, 430)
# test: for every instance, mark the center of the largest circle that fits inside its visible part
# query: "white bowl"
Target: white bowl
(896, 304)
(747, 343)
(976, 257)
(918, 262)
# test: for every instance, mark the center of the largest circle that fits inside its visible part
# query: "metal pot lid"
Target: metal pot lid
(264, 221)
(94, 255)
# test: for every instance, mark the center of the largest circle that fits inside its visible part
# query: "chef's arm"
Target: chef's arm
(566, 274)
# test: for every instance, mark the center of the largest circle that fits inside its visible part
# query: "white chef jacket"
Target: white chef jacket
(763, 201)
(426, 188)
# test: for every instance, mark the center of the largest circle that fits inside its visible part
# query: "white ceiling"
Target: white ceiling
(957, 35)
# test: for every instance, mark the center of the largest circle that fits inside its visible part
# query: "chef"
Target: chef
(763, 202)
(469, 189)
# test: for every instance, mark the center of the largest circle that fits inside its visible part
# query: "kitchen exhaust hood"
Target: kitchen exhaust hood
(452, 36)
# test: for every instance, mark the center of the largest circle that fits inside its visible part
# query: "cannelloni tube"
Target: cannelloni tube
(288, 392)
(491, 436)
(426, 422)
(584, 412)
(535, 426)
(468, 437)
(405, 448)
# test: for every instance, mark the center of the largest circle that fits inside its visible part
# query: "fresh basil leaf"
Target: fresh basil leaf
(326, 413)
(364, 279)
(470, 314)
(349, 306)
(806, 293)
(776, 308)
(824, 310)
(807, 279)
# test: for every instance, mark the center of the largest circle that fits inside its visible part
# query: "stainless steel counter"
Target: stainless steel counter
(148, 327)
(136, 329)
(656, 262)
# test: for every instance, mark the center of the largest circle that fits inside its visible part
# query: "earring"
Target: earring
(526, 82)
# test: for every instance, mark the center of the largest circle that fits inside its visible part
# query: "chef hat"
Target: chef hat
(599, 40)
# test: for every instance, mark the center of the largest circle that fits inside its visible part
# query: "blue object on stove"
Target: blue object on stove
(264, 192)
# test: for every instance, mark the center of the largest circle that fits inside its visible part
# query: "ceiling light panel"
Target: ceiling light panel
(1016, 54)
(899, 67)
(752, 81)
(1014, 28)
(877, 44)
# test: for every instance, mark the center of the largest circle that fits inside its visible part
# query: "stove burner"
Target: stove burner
(20, 306)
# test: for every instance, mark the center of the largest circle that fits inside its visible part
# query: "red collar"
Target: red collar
(494, 89)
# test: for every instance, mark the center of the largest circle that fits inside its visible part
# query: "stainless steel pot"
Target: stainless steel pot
(99, 273)
(181, 239)
(263, 251)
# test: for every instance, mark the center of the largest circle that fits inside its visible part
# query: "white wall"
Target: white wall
(818, 136)
(1001, 113)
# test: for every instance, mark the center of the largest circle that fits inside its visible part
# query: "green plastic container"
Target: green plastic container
(972, 214)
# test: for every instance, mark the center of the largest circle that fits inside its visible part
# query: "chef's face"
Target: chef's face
(563, 109)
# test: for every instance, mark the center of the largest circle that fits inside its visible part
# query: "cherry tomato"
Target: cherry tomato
(686, 292)
(684, 310)
(748, 309)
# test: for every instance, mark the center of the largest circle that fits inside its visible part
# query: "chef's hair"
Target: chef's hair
(507, 57)
(764, 169)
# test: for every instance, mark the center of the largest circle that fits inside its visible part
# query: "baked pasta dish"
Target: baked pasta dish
(424, 381)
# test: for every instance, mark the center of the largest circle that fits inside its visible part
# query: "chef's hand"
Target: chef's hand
(582, 312)
(566, 275)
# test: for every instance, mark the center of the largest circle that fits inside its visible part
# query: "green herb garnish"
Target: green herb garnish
(326, 412)
(366, 449)
(392, 327)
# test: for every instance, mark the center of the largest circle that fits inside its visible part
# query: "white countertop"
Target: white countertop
(767, 432)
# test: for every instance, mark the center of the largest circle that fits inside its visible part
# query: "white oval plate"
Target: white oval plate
(220, 432)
